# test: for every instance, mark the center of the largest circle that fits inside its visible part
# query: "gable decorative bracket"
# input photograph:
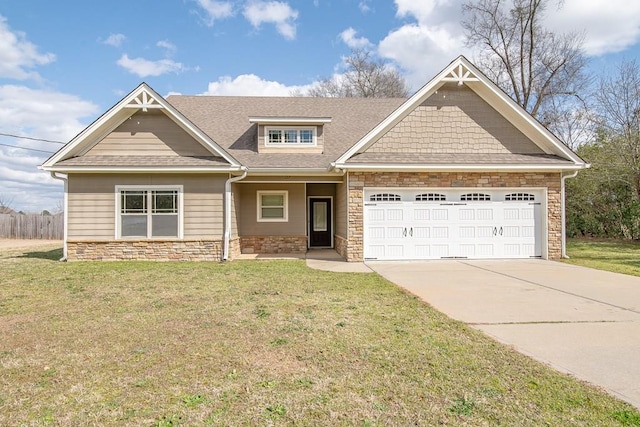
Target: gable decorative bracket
(144, 101)
(460, 75)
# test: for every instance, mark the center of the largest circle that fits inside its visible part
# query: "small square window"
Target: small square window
(306, 136)
(290, 136)
(275, 136)
(272, 206)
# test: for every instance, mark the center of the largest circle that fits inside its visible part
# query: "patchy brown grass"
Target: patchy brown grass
(256, 343)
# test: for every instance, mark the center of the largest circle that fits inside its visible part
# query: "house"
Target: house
(458, 170)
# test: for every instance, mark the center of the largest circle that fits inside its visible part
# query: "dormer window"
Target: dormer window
(288, 136)
(285, 135)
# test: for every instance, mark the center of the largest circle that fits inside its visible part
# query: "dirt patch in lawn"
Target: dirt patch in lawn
(24, 243)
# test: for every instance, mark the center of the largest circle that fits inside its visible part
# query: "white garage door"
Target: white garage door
(414, 224)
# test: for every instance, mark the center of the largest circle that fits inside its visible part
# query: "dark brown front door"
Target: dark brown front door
(320, 222)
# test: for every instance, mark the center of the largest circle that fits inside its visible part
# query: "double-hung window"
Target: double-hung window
(149, 211)
(272, 206)
(283, 137)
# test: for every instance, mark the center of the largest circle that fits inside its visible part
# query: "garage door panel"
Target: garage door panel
(484, 232)
(423, 251)
(440, 232)
(485, 251)
(421, 232)
(395, 215)
(440, 214)
(395, 252)
(421, 214)
(394, 233)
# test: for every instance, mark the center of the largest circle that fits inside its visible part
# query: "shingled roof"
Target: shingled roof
(226, 121)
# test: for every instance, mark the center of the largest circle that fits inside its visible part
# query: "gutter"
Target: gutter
(65, 214)
(563, 203)
(227, 212)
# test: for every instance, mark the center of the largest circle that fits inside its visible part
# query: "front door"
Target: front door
(320, 222)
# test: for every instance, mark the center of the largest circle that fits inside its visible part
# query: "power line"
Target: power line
(32, 139)
(24, 148)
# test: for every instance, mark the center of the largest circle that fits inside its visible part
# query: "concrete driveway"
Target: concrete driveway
(581, 321)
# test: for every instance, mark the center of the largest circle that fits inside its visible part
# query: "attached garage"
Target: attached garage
(472, 223)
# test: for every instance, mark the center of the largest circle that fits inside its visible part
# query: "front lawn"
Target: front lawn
(619, 256)
(257, 343)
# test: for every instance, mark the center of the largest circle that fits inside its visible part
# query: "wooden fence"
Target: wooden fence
(32, 226)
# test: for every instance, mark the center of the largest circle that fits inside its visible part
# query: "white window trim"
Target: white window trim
(313, 129)
(259, 206)
(149, 188)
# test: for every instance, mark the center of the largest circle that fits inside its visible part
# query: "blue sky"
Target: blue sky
(64, 63)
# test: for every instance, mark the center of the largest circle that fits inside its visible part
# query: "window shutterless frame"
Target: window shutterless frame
(147, 211)
(288, 136)
(272, 206)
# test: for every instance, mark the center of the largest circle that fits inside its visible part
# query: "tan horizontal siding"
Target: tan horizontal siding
(92, 203)
(148, 134)
(248, 214)
(321, 190)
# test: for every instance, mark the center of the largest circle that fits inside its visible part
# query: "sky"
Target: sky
(64, 63)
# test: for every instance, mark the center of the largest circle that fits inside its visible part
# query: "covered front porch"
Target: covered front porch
(288, 215)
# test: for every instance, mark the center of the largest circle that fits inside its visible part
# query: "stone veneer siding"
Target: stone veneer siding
(273, 244)
(359, 180)
(341, 245)
(154, 250)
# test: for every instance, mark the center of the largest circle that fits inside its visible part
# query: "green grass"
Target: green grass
(257, 343)
(611, 255)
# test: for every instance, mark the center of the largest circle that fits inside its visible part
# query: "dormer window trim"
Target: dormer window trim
(297, 121)
(291, 136)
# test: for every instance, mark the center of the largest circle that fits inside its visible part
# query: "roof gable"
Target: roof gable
(454, 119)
(462, 72)
(149, 133)
(141, 100)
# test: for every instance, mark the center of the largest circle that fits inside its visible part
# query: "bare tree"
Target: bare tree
(617, 102)
(543, 71)
(5, 204)
(365, 77)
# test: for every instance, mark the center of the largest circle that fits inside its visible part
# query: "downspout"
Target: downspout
(227, 212)
(564, 214)
(65, 213)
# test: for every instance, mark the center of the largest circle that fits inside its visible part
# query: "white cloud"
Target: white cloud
(428, 44)
(251, 85)
(39, 114)
(115, 40)
(144, 67)
(166, 44)
(18, 55)
(429, 11)
(215, 10)
(273, 12)
(609, 25)
(364, 6)
(348, 36)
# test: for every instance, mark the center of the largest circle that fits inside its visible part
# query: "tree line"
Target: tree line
(546, 73)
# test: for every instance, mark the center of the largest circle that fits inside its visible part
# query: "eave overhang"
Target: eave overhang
(364, 167)
(269, 120)
(292, 171)
(129, 169)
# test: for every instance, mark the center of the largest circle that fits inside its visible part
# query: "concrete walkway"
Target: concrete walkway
(581, 321)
